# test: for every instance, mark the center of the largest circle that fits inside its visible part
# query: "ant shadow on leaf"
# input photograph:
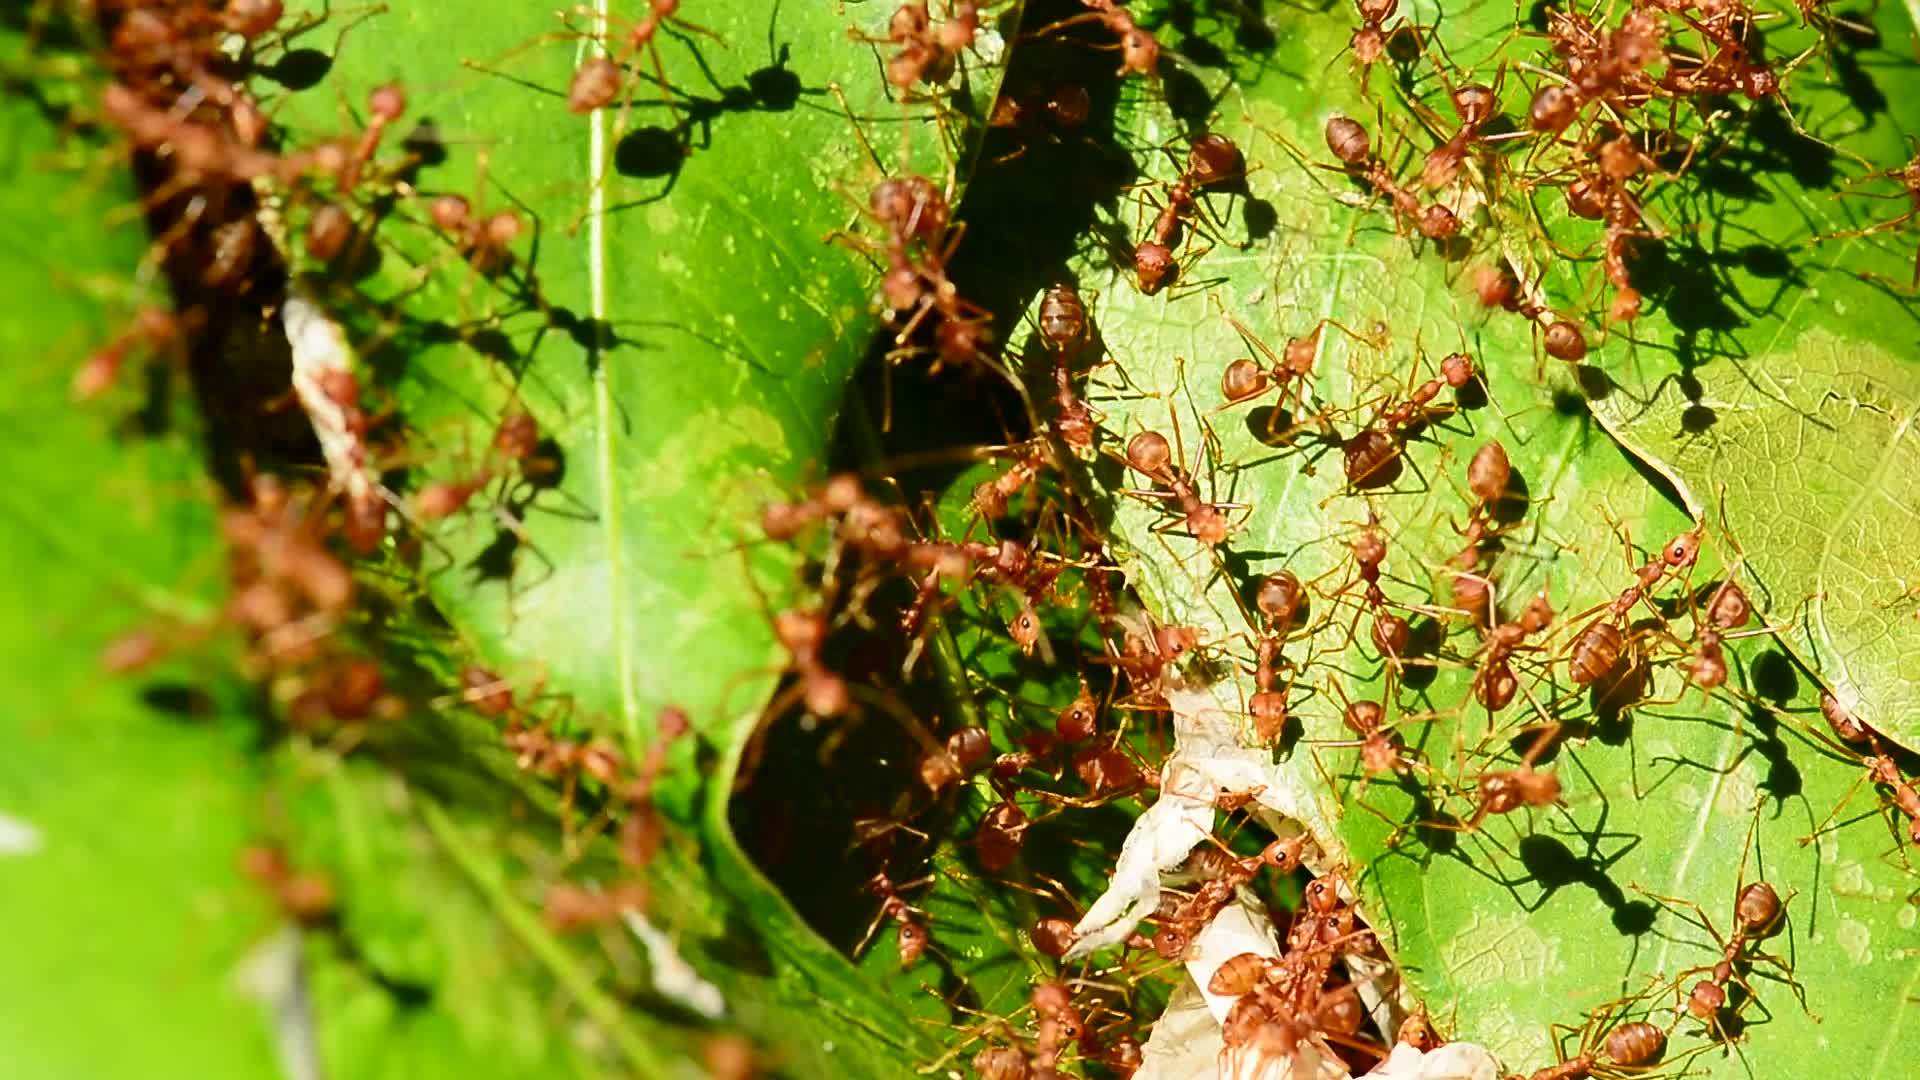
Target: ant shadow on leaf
(654, 151)
(1250, 31)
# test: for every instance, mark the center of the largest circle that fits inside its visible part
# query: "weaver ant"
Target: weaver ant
(306, 896)
(1291, 370)
(1212, 161)
(1882, 769)
(1139, 49)
(571, 908)
(1349, 142)
(1063, 325)
(604, 72)
(1150, 455)
(1607, 1049)
(1372, 456)
(911, 936)
(1758, 913)
(1597, 650)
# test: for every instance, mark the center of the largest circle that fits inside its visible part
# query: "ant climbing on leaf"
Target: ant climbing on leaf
(1150, 455)
(1213, 161)
(1139, 49)
(1759, 913)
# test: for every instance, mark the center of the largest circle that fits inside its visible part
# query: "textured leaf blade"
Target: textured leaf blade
(682, 332)
(1533, 919)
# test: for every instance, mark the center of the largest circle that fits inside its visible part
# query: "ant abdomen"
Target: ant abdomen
(1348, 140)
(1149, 453)
(1238, 975)
(1213, 158)
(1595, 652)
(1637, 1043)
(1052, 936)
(1563, 341)
(1063, 317)
(1489, 473)
(1242, 380)
(1758, 908)
(1372, 458)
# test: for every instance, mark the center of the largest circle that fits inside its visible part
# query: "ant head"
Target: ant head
(1682, 550)
(1474, 103)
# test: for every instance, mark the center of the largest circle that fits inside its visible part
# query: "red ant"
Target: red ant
(1149, 454)
(927, 51)
(515, 445)
(152, 329)
(1064, 107)
(1212, 160)
(289, 590)
(603, 74)
(1381, 750)
(1625, 1049)
(1063, 325)
(307, 897)
(1612, 70)
(1494, 682)
(1268, 705)
(1372, 455)
(1758, 913)
(1349, 142)
(1291, 370)
(921, 238)
(1476, 105)
(1391, 634)
(1597, 650)
(1882, 770)
(1030, 460)
(1002, 832)
(569, 908)
(912, 937)
(1139, 49)
(485, 242)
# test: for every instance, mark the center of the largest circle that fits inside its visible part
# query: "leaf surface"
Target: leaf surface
(681, 328)
(1538, 917)
(125, 801)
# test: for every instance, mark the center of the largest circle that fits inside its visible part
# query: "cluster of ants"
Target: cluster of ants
(1606, 125)
(1091, 752)
(225, 178)
(223, 188)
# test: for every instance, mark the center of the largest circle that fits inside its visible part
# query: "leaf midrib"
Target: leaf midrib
(611, 517)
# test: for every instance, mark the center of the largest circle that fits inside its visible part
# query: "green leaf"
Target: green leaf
(429, 961)
(126, 801)
(1797, 416)
(681, 328)
(1537, 917)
